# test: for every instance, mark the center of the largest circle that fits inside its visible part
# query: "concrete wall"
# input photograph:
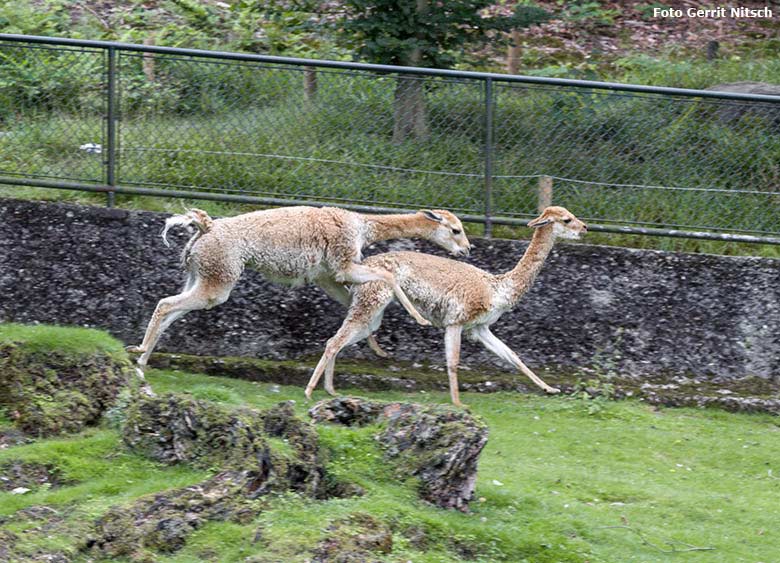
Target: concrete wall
(634, 312)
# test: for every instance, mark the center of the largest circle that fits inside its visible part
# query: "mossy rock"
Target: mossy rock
(440, 445)
(49, 389)
(257, 452)
(359, 538)
(162, 522)
(177, 428)
(29, 475)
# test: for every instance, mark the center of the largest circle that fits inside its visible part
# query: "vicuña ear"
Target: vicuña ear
(432, 216)
(539, 222)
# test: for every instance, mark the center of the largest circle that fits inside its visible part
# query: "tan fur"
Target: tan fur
(452, 295)
(292, 246)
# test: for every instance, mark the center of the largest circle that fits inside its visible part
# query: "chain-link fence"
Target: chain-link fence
(493, 148)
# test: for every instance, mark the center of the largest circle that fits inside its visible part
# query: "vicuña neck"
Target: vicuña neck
(522, 276)
(386, 227)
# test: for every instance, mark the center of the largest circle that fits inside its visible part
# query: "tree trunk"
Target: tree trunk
(409, 113)
(513, 53)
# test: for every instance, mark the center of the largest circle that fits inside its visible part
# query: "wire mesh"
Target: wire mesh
(52, 103)
(391, 139)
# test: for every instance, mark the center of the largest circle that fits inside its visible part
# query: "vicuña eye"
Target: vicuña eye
(455, 231)
(567, 220)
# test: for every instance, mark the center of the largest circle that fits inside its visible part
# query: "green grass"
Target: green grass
(62, 339)
(553, 481)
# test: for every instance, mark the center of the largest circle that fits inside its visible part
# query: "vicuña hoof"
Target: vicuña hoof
(376, 348)
(135, 349)
(379, 352)
(552, 390)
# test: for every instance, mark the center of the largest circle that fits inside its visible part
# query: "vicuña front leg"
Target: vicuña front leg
(358, 273)
(492, 343)
(452, 339)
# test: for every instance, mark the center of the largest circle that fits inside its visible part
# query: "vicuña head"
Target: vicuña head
(449, 234)
(562, 222)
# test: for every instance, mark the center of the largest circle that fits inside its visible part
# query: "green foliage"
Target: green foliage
(528, 14)
(682, 71)
(592, 11)
(25, 17)
(414, 32)
(245, 25)
(594, 394)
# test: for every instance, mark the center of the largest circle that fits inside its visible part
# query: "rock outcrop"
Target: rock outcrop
(48, 392)
(437, 444)
(178, 429)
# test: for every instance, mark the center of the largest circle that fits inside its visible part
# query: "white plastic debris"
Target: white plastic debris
(92, 148)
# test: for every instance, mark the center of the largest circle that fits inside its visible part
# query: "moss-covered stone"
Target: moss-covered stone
(359, 538)
(438, 444)
(257, 452)
(14, 474)
(178, 428)
(50, 392)
(162, 522)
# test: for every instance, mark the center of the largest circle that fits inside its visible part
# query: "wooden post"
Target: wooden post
(148, 59)
(545, 193)
(310, 83)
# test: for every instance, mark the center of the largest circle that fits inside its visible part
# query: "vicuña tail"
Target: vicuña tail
(196, 217)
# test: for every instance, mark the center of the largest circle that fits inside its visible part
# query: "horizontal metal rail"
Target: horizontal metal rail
(203, 53)
(497, 220)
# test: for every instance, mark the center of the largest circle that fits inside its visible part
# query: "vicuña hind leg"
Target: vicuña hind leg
(374, 345)
(357, 273)
(200, 296)
(364, 316)
(339, 292)
(492, 343)
(350, 332)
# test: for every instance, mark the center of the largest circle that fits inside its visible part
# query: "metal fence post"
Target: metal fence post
(111, 118)
(488, 157)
